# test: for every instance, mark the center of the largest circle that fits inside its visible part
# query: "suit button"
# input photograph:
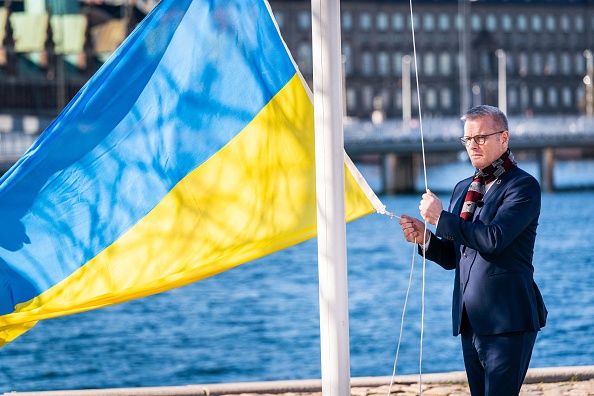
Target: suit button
(465, 255)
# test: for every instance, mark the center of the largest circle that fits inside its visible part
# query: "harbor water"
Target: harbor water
(260, 321)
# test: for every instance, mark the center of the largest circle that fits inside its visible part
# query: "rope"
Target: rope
(424, 232)
(412, 24)
(402, 320)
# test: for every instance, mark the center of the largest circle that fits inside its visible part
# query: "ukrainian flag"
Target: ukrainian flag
(191, 151)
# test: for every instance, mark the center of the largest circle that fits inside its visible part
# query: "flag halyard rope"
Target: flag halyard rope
(424, 233)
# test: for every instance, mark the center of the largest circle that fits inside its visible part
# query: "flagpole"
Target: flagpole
(329, 140)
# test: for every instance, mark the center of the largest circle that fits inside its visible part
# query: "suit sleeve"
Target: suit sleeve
(441, 252)
(511, 214)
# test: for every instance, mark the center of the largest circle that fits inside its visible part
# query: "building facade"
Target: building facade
(461, 47)
(50, 48)
(540, 49)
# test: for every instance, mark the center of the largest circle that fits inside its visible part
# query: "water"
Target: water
(260, 321)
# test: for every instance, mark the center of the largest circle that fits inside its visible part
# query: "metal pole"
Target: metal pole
(463, 54)
(61, 68)
(329, 141)
(502, 80)
(344, 102)
(588, 80)
(406, 94)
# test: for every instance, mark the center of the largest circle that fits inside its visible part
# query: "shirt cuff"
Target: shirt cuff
(426, 245)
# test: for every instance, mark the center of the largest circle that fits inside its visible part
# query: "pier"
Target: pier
(398, 146)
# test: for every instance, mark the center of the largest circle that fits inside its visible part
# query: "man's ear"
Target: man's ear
(505, 137)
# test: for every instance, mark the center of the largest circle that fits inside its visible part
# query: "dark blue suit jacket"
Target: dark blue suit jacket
(492, 256)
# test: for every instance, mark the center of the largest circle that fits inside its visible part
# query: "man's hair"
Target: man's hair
(487, 111)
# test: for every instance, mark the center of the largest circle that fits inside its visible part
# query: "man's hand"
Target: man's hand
(430, 207)
(413, 230)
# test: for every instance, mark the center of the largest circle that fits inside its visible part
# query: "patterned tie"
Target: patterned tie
(477, 188)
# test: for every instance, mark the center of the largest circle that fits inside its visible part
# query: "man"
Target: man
(487, 236)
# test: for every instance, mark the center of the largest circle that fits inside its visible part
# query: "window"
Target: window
(536, 23)
(416, 21)
(428, 22)
(367, 63)
(446, 98)
(445, 64)
(509, 63)
(485, 59)
(429, 64)
(365, 21)
(537, 64)
(351, 99)
(367, 97)
(431, 98)
(347, 54)
(524, 97)
(384, 99)
(304, 58)
(280, 18)
(506, 23)
(475, 22)
(538, 97)
(565, 64)
(553, 97)
(564, 23)
(347, 21)
(579, 94)
(304, 20)
(491, 23)
(580, 67)
(397, 63)
(397, 21)
(551, 64)
(579, 23)
(382, 21)
(459, 21)
(551, 23)
(414, 67)
(522, 23)
(512, 97)
(398, 99)
(523, 64)
(414, 99)
(383, 64)
(443, 22)
(566, 97)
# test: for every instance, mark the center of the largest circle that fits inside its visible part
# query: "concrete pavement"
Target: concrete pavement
(571, 381)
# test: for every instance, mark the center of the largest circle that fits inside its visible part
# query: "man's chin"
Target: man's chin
(477, 162)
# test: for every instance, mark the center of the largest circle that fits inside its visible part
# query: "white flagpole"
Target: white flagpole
(329, 140)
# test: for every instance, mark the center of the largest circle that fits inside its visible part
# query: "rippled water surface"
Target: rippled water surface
(260, 321)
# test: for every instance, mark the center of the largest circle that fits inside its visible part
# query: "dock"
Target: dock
(398, 145)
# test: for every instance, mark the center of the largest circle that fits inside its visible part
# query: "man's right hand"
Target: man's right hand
(413, 230)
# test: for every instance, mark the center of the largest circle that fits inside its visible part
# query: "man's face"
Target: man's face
(484, 155)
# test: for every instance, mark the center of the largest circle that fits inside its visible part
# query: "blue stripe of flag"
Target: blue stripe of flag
(185, 82)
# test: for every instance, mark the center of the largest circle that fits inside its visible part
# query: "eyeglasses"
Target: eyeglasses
(479, 139)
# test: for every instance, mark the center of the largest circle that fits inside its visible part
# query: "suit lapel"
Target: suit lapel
(459, 198)
(494, 188)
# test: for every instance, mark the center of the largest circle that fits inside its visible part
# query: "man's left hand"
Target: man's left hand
(430, 207)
